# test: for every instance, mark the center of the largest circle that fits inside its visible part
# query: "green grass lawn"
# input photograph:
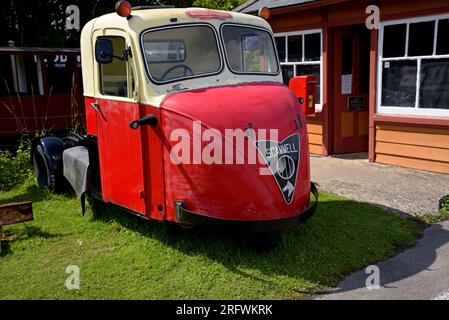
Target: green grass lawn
(124, 257)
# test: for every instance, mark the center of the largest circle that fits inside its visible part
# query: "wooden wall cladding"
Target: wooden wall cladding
(418, 147)
(315, 130)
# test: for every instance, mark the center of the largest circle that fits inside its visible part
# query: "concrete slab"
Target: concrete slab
(403, 190)
(420, 273)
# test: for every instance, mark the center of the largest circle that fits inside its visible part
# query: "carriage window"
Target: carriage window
(19, 75)
(117, 77)
(59, 73)
(6, 76)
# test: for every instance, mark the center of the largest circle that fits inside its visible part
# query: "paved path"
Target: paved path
(405, 190)
(418, 273)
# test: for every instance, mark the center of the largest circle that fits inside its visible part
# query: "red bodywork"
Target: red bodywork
(137, 172)
(304, 88)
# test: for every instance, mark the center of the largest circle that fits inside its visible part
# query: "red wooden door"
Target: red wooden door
(351, 87)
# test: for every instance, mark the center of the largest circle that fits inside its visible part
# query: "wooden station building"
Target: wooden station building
(383, 88)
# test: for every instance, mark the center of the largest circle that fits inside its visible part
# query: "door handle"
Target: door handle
(149, 120)
(95, 105)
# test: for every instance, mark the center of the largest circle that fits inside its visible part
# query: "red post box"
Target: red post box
(304, 88)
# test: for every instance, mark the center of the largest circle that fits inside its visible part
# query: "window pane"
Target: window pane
(280, 44)
(27, 77)
(249, 50)
(443, 37)
(295, 48)
(199, 51)
(306, 70)
(59, 73)
(347, 55)
(165, 51)
(394, 41)
(312, 50)
(434, 92)
(421, 39)
(114, 80)
(399, 83)
(6, 80)
(287, 74)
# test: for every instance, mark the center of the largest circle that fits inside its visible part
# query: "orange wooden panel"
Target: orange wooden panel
(435, 166)
(316, 149)
(420, 129)
(363, 123)
(347, 124)
(315, 128)
(315, 139)
(426, 153)
(414, 138)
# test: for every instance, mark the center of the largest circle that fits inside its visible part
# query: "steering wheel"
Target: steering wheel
(186, 69)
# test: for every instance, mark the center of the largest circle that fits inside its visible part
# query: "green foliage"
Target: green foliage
(218, 4)
(14, 169)
(41, 23)
(444, 203)
(442, 215)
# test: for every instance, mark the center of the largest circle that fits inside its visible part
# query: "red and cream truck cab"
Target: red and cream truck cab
(188, 121)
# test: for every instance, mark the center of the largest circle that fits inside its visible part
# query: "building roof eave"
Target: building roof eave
(310, 4)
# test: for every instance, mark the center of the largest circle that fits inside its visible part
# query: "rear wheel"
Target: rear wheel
(45, 177)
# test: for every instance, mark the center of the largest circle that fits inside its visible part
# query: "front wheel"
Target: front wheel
(264, 241)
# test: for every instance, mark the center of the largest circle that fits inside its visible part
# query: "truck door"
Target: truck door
(120, 148)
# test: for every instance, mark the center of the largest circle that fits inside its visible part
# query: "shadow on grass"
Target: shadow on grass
(24, 233)
(342, 237)
(35, 194)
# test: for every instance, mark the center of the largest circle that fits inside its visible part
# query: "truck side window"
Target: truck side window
(116, 78)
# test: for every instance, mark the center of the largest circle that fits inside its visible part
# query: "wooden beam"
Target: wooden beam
(372, 94)
(12, 213)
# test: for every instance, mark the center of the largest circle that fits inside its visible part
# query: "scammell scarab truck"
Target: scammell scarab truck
(156, 82)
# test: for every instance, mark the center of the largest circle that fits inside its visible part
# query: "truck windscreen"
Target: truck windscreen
(181, 52)
(249, 50)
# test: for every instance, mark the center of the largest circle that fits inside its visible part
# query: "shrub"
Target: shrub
(14, 169)
(444, 203)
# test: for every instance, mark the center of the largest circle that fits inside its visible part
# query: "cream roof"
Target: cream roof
(143, 19)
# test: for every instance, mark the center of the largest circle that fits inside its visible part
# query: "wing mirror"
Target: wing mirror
(104, 52)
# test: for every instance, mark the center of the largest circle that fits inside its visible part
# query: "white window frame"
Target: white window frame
(318, 106)
(416, 111)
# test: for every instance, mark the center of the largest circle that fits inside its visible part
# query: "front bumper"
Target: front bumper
(247, 226)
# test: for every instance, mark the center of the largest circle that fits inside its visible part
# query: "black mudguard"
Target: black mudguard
(53, 148)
